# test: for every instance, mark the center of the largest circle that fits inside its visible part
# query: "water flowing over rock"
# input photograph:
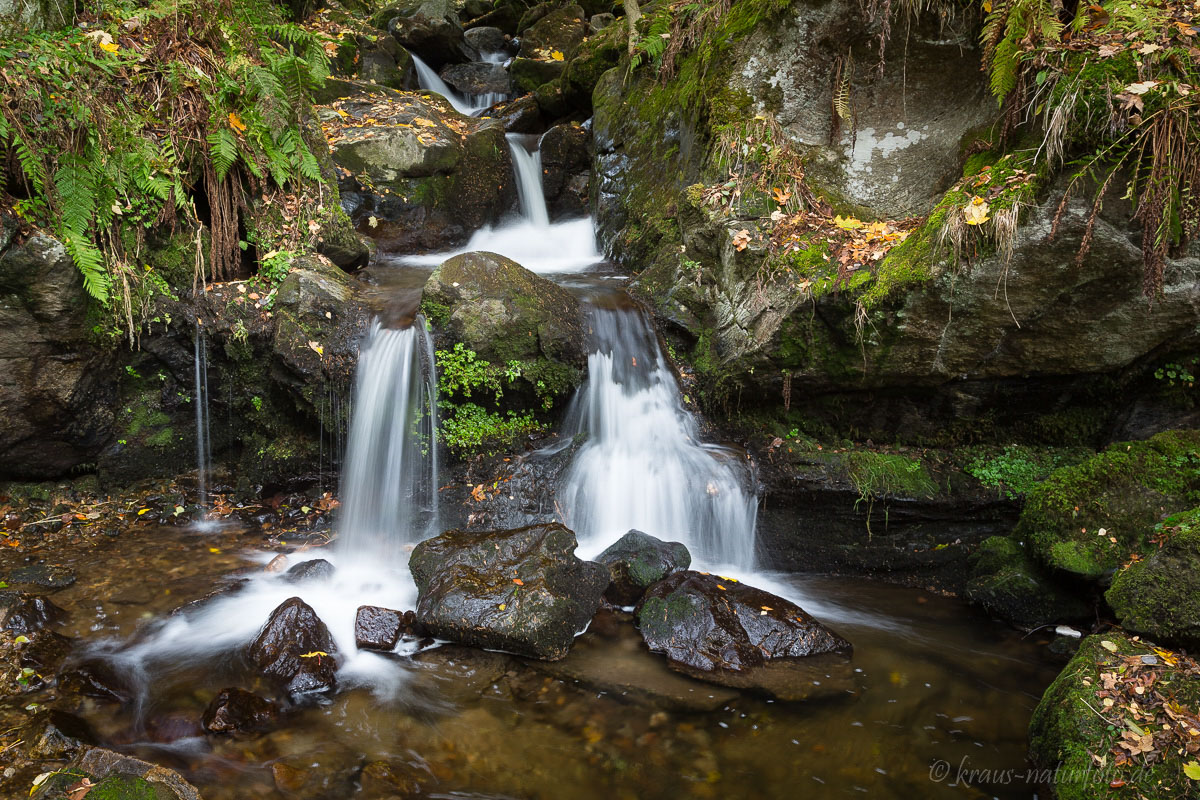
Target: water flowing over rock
(522, 591)
(235, 710)
(477, 78)
(637, 561)
(721, 630)
(429, 28)
(318, 569)
(295, 650)
(32, 613)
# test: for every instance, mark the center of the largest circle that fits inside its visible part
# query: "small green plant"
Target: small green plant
(886, 475)
(131, 372)
(1178, 374)
(257, 402)
(275, 266)
(466, 426)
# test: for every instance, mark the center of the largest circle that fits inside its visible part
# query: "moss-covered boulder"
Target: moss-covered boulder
(429, 28)
(1159, 596)
(115, 777)
(1117, 722)
(1088, 519)
(417, 175)
(530, 73)
(1007, 583)
(504, 312)
(560, 31)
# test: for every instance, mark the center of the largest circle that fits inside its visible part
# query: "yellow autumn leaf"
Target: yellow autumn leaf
(987, 6)
(976, 212)
(847, 223)
(557, 56)
(236, 123)
(316, 348)
(427, 123)
(314, 654)
(110, 47)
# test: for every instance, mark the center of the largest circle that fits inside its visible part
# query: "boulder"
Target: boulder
(566, 168)
(99, 680)
(1159, 596)
(530, 73)
(504, 312)
(32, 613)
(378, 628)
(55, 734)
(522, 591)
(521, 115)
(429, 28)
(235, 710)
(295, 650)
(486, 40)
(560, 30)
(599, 22)
(720, 630)
(21, 17)
(636, 562)
(477, 78)
(318, 569)
(423, 176)
(116, 776)
(384, 62)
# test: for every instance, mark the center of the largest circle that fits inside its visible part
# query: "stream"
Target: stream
(934, 682)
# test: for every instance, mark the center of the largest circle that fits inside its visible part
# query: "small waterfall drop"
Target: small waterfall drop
(470, 105)
(389, 488)
(527, 166)
(642, 465)
(200, 403)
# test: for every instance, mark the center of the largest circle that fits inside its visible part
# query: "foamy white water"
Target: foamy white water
(467, 104)
(527, 166)
(643, 465)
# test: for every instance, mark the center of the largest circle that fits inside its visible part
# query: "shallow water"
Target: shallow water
(934, 682)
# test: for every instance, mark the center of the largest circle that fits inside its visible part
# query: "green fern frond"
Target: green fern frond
(31, 165)
(90, 264)
(224, 149)
(75, 186)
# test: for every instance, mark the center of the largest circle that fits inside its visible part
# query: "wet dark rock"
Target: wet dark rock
(485, 39)
(477, 78)
(44, 652)
(530, 73)
(723, 631)
(521, 115)
(1009, 584)
(461, 673)
(55, 734)
(318, 569)
(378, 628)
(390, 779)
(171, 727)
(97, 679)
(31, 614)
(42, 576)
(637, 561)
(523, 591)
(235, 710)
(295, 650)
(431, 29)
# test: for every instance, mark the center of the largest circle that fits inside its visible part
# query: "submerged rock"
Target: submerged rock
(44, 652)
(378, 628)
(318, 569)
(43, 576)
(295, 650)
(99, 680)
(723, 631)
(235, 710)
(523, 591)
(637, 561)
(31, 614)
(55, 734)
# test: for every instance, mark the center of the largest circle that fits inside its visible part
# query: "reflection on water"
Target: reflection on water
(934, 681)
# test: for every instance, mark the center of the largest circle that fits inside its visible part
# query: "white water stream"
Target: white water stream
(469, 105)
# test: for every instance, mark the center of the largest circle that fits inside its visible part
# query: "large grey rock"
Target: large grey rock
(295, 650)
(522, 591)
(431, 29)
(485, 40)
(559, 30)
(477, 78)
(18, 17)
(637, 561)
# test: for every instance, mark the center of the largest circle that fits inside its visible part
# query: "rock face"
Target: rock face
(723, 631)
(523, 591)
(560, 30)
(1159, 596)
(504, 312)
(318, 569)
(238, 711)
(56, 734)
(427, 175)
(53, 392)
(636, 562)
(566, 170)
(378, 628)
(429, 28)
(281, 652)
(1010, 585)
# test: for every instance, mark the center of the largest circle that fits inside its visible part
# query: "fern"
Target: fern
(75, 186)
(90, 263)
(31, 165)
(223, 148)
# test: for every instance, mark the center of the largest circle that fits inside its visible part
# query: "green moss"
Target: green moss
(1125, 490)
(884, 475)
(1015, 470)
(1008, 584)
(1160, 596)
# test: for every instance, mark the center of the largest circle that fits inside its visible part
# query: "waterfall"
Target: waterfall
(527, 166)
(389, 489)
(642, 465)
(469, 105)
(200, 402)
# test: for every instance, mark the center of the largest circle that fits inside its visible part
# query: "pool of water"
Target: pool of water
(935, 687)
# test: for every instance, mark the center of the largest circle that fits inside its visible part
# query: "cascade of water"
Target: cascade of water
(527, 166)
(470, 104)
(389, 490)
(642, 465)
(200, 402)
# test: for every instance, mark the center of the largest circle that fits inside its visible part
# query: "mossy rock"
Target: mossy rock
(1160, 595)
(504, 312)
(1067, 729)
(529, 73)
(1007, 583)
(560, 31)
(1124, 490)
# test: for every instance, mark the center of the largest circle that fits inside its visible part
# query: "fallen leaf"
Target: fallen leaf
(518, 582)
(316, 348)
(976, 212)
(236, 123)
(847, 223)
(556, 55)
(1109, 646)
(1149, 48)
(1141, 87)
(1192, 770)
